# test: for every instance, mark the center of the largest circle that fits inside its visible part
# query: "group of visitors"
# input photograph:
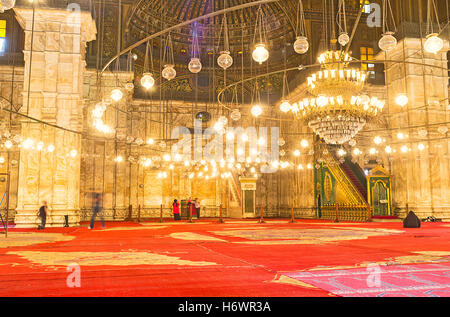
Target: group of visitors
(193, 207)
(96, 206)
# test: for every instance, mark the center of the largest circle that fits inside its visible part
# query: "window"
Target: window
(365, 5)
(2, 36)
(367, 55)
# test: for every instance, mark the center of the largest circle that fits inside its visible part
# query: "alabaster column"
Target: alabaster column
(420, 175)
(55, 50)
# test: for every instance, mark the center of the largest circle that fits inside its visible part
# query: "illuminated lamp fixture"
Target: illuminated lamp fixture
(219, 128)
(260, 53)
(387, 42)
(433, 43)
(301, 44)
(40, 146)
(223, 120)
(230, 135)
(8, 144)
(169, 72)
(235, 115)
(401, 100)
(256, 110)
(304, 143)
(285, 106)
(337, 111)
(27, 144)
(225, 60)
(343, 38)
(116, 94)
(129, 86)
(147, 81)
(6, 5)
(377, 140)
(195, 66)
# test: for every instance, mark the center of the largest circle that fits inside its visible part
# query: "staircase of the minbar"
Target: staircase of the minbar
(356, 176)
(350, 177)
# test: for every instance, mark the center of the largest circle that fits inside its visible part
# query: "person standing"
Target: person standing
(97, 209)
(176, 210)
(42, 213)
(190, 207)
(197, 207)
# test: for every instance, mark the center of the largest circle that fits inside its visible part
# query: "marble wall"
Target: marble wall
(55, 44)
(11, 99)
(421, 178)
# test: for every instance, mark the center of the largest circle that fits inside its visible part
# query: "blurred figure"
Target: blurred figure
(197, 207)
(176, 210)
(42, 213)
(97, 208)
(190, 207)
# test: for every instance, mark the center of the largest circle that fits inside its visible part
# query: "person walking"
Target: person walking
(97, 209)
(197, 207)
(176, 210)
(42, 213)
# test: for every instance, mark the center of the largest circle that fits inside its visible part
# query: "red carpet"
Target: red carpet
(244, 258)
(419, 280)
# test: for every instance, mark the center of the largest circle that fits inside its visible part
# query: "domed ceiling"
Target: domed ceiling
(279, 20)
(151, 15)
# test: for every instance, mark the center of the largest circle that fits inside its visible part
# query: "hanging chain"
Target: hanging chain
(431, 8)
(387, 6)
(259, 27)
(342, 20)
(300, 27)
(195, 47)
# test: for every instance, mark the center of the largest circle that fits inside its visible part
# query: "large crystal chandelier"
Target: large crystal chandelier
(337, 111)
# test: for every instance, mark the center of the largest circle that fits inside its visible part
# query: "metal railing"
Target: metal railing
(345, 212)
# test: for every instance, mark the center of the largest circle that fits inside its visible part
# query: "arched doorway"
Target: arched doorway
(380, 199)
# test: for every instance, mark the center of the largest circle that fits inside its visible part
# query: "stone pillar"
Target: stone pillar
(421, 177)
(55, 49)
